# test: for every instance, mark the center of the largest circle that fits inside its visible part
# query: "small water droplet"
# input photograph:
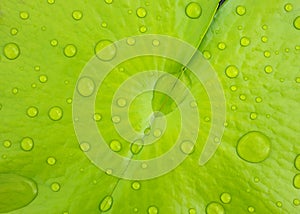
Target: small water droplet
(54, 42)
(153, 210)
(265, 27)
(155, 43)
(232, 71)
(288, 7)
(51, 161)
(43, 78)
(32, 111)
(136, 185)
(108, 1)
(137, 146)
(206, 54)
(121, 102)
(51, 1)
(221, 45)
(143, 29)
(215, 208)
(225, 197)
(7, 143)
(256, 179)
(268, 69)
(258, 99)
(233, 107)
(240, 10)
(77, 15)
(233, 88)
(85, 146)
(110, 50)
(70, 50)
(14, 31)
(55, 113)
(192, 211)
(55, 187)
(193, 10)
(264, 39)
(253, 115)
(296, 181)
(11, 51)
(85, 86)
(187, 147)
(206, 119)
(157, 133)
(245, 41)
(115, 145)
(106, 203)
(297, 23)
(243, 97)
(97, 117)
(130, 41)
(24, 15)
(279, 204)
(104, 24)
(254, 147)
(296, 202)
(116, 119)
(141, 12)
(69, 100)
(27, 144)
(15, 90)
(267, 54)
(193, 104)
(251, 209)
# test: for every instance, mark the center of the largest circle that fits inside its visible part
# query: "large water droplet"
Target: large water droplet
(27, 144)
(297, 162)
(11, 51)
(232, 71)
(297, 23)
(32, 111)
(106, 203)
(70, 50)
(187, 147)
(296, 202)
(16, 192)
(85, 86)
(214, 208)
(152, 210)
(296, 181)
(193, 10)
(115, 145)
(288, 7)
(192, 211)
(55, 113)
(225, 198)
(141, 12)
(110, 50)
(254, 147)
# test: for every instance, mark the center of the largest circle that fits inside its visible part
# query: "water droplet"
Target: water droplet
(11, 51)
(251, 209)
(232, 71)
(55, 113)
(296, 202)
(51, 161)
(69, 100)
(297, 162)
(288, 7)
(110, 50)
(157, 133)
(297, 23)
(254, 147)
(27, 144)
(245, 41)
(206, 119)
(141, 12)
(85, 86)
(43, 78)
(214, 208)
(264, 39)
(256, 179)
(97, 117)
(16, 192)
(108, 1)
(192, 211)
(296, 181)
(121, 102)
(51, 1)
(70, 50)
(33, 85)
(55, 187)
(106, 203)
(143, 29)
(15, 90)
(116, 119)
(54, 42)
(258, 99)
(265, 27)
(155, 43)
(187, 147)
(206, 54)
(253, 115)
(267, 54)
(240, 10)
(221, 45)
(115, 145)
(137, 146)
(13, 31)
(24, 15)
(136, 185)
(32, 111)
(104, 24)
(243, 97)
(279, 204)
(130, 41)
(85, 146)
(193, 10)
(233, 88)
(268, 69)
(225, 198)
(233, 107)
(77, 15)
(7, 143)
(193, 104)
(152, 210)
